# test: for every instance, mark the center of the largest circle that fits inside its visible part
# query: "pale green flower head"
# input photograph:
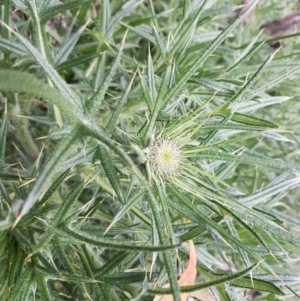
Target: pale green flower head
(172, 153)
(165, 157)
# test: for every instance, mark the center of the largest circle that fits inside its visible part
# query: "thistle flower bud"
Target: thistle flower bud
(165, 157)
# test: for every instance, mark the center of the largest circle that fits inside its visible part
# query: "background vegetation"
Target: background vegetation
(94, 205)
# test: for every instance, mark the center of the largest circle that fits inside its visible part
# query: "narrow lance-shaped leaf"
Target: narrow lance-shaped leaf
(279, 279)
(151, 77)
(239, 96)
(234, 232)
(88, 267)
(77, 61)
(60, 217)
(246, 226)
(68, 47)
(113, 119)
(184, 206)
(111, 265)
(253, 106)
(248, 51)
(16, 81)
(185, 8)
(42, 182)
(219, 10)
(126, 9)
(60, 84)
(274, 82)
(164, 86)
(105, 16)
(67, 204)
(109, 169)
(38, 31)
(186, 30)
(167, 256)
(94, 103)
(54, 186)
(120, 244)
(15, 264)
(13, 47)
(43, 288)
(5, 10)
(52, 11)
(21, 285)
(213, 85)
(165, 213)
(248, 159)
(264, 194)
(243, 118)
(65, 276)
(253, 218)
(233, 126)
(3, 134)
(155, 242)
(192, 288)
(63, 257)
(126, 207)
(257, 284)
(4, 196)
(146, 93)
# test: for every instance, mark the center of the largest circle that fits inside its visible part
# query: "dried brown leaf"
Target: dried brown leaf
(284, 26)
(188, 277)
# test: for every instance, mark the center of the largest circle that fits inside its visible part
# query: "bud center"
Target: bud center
(165, 157)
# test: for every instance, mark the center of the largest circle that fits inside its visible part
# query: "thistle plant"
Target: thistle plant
(126, 132)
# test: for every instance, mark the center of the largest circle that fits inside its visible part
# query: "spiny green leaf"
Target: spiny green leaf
(185, 30)
(75, 62)
(21, 285)
(113, 119)
(94, 102)
(54, 186)
(43, 181)
(126, 9)
(119, 244)
(24, 82)
(43, 288)
(257, 284)
(13, 47)
(66, 206)
(110, 171)
(248, 159)
(202, 219)
(264, 194)
(110, 266)
(68, 47)
(238, 97)
(3, 137)
(60, 84)
(137, 197)
(52, 11)
(278, 279)
(192, 288)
